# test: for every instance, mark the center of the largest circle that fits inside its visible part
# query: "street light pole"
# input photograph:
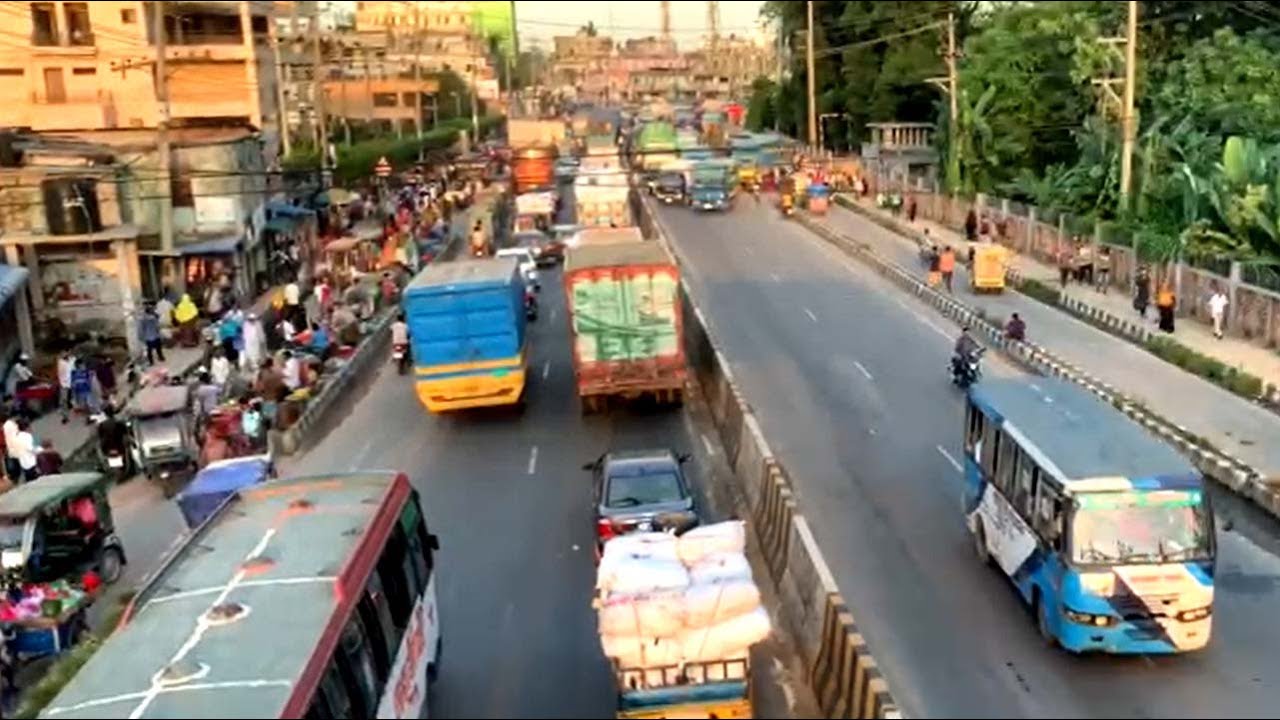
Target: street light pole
(1129, 120)
(813, 104)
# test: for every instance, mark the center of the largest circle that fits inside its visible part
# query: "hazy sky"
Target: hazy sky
(542, 19)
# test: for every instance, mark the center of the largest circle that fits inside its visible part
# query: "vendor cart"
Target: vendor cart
(58, 626)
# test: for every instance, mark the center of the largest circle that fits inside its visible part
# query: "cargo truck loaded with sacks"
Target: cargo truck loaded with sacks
(677, 618)
(625, 322)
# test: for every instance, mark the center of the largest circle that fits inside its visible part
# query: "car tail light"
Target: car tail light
(605, 529)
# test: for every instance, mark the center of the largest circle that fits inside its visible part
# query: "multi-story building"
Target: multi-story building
(581, 64)
(80, 78)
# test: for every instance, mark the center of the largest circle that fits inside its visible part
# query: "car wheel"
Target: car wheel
(110, 565)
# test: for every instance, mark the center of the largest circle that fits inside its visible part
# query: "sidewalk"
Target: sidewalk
(67, 437)
(1237, 353)
(1232, 424)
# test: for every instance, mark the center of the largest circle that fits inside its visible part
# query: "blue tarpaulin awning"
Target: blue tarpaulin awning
(219, 481)
(12, 278)
(280, 224)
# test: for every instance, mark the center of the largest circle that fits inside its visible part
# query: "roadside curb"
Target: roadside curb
(1228, 471)
(840, 668)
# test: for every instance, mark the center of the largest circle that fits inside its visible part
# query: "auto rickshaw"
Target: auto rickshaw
(58, 525)
(990, 263)
(163, 431)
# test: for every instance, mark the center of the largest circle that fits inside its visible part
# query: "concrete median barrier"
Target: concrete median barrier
(838, 663)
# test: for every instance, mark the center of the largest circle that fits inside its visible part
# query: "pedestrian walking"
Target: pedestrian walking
(947, 266)
(10, 425)
(66, 362)
(220, 368)
(1166, 302)
(149, 334)
(254, 337)
(1102, 265)
(911, 210)
(1141, 291)
(228, 335)
(82, 390)
(971, 226)
(24, 451)
(104, 373)
(1066, 264)
(1218, 302)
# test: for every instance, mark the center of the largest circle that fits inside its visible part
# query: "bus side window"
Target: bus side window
(1025, 491)
(973, 432)
(331, 699)
(990, 449)
(1048, 518)
(384, 635)
(397, 578)
(1008, 453)
(355, 660)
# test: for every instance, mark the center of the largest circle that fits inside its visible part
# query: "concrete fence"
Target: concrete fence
(840, 667)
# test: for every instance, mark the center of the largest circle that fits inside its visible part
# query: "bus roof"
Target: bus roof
(228, 625)
(1085, 443)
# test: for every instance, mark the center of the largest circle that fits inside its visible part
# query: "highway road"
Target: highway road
(847, 375)
(512, 506)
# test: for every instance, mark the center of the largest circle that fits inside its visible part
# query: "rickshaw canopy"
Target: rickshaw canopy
(219, 481)
(159, 400)
(29, 498)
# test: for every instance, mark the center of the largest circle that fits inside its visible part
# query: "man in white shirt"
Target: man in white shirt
(1218, 310)
(10, 444)
(66, 363)
(292, 371)
(220, 369)
(292, 295)
(23, 450)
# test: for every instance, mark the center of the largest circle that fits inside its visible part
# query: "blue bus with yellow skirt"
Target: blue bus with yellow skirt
(1106, 532)
(467, 334)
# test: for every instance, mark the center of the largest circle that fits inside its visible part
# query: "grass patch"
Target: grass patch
(1215, 371)
(1040, 291)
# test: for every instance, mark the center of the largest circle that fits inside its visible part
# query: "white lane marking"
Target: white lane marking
(954, 463)
(533, 459)
(546, 369)
(553, 314)
(202, 625)
(774, 277)
(809, 312)
(364, 453)
(865, 372)
(706, 443)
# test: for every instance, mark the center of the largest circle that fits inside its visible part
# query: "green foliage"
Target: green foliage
(1039, 291)
(762, 107)
(1215, 371)
(356, 161)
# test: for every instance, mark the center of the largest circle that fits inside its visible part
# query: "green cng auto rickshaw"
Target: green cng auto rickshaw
(59, 525)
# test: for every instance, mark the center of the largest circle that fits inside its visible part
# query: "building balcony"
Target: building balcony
(76, 44)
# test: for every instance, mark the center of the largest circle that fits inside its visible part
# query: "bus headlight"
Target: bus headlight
(1099, 583)
(1082, 618)
(1194, 615)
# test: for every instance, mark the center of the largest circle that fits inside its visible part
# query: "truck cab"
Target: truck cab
(715, 689)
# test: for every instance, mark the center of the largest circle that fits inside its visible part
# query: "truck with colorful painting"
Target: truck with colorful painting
(625, 322)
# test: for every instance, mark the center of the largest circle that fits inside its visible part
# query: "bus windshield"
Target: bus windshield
(1148, 527)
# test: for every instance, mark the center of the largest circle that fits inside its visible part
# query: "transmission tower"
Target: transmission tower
(666, 20)
(713, 22)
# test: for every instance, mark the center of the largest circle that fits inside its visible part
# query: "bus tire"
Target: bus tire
(1042, 619)
(980, 548)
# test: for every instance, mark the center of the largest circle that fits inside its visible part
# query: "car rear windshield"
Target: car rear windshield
(649, 488)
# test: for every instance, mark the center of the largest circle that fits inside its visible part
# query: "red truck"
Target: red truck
(625, 322)
(533, 168)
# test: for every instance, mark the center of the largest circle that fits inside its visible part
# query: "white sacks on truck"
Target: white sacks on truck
(664, 600)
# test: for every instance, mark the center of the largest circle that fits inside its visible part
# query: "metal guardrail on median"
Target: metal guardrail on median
(1226, 470)
(840, 668)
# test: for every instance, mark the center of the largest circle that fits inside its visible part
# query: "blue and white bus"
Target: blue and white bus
(1107, 532)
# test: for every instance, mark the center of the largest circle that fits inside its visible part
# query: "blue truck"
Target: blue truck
(714, 183)
(467, 333)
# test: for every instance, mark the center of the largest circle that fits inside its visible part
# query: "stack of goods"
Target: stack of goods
(664, 600)
(39, 600)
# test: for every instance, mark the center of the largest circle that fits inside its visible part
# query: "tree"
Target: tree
(761, 108)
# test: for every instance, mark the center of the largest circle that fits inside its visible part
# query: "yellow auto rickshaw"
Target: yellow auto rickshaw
(990, 263)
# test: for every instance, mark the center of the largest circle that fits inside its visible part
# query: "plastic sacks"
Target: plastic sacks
(664, 600)
(723, 537)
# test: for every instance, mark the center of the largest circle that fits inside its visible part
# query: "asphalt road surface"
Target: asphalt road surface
(848, 377)
(507, 496)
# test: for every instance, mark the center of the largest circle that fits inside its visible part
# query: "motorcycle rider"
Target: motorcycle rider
(400, 336)
(113, 438)
(966, 346)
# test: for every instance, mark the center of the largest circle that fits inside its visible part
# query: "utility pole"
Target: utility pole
(282, 112)
(475, 120)
(813, 102)
(162, 133)
(417, 68)
(953, 119)
(1123, 106)
(317, 96)
(1128, 119)
(666, 20)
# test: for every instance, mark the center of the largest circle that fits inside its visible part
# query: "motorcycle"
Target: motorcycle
(530, 305)
(400, 356)
(967, 370)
